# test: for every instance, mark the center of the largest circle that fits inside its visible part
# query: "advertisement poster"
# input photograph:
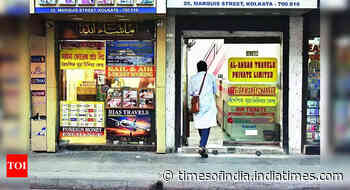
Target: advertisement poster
(125, 2)
(114, 98)
(82, 59)
(131, 71)
(86, 2)
(47, 2)
(252, 69)
(66, 2)
(145, 2)
(130, 97)
(130, 53)
(105, 2)
(146, 97)
(128, 125)
(82, 122)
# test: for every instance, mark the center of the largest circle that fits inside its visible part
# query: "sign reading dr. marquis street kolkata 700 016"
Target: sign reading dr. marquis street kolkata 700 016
(276, 4)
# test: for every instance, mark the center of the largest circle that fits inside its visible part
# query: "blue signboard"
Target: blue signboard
(130, 52)
(95, 10)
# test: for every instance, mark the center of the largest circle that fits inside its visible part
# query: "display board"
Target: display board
(82, 122)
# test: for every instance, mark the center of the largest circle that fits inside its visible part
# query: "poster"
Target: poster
(82, 59)
(130, 97)
(252, 69)
(47, 2)
(131, 71)
(105, 2)
(82, 122)
(146, 97)
(145, 2)
(130, 52)
(126, 2)
(86, 2)
(114, 98)
(66, 2)
(128, 125)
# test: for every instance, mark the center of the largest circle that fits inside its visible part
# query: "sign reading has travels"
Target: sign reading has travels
(274, 4)
(95, 6)
(252, 69)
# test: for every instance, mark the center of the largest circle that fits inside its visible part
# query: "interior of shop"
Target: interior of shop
(249, 95)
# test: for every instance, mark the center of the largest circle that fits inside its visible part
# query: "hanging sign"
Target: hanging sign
(82, 59)
(252, 69)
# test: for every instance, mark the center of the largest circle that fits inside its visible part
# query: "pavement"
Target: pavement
(148, 170)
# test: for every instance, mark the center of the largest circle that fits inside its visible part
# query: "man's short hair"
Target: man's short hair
(202, 66)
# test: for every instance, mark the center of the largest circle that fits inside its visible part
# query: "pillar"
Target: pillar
(295, 84)
(160, 87)
(51, 94)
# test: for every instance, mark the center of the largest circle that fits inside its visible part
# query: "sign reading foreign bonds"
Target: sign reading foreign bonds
(277, 4)
(252, 69)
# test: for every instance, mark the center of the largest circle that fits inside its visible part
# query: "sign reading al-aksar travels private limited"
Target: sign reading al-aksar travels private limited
(274, 4)
(252, 69)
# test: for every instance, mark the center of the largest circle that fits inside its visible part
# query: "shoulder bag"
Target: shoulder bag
(195, 99)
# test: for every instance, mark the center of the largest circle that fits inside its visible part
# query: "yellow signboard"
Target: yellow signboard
(82, 59)
(252, 69)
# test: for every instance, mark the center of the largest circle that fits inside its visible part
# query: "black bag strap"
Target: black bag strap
(202, 84)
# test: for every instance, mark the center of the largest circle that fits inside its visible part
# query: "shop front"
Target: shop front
(254, 50)
(106, 71)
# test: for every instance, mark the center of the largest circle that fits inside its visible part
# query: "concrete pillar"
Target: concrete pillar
(170, 84)
(295, 84)
(160, 87)
(51, 95)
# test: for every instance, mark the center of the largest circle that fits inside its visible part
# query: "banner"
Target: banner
(82, 59)
(132, 71)
(252, 69)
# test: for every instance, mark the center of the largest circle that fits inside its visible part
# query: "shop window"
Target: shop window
(107, 94)
(313, 95)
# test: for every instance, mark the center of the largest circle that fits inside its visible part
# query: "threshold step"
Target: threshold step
(236, 149)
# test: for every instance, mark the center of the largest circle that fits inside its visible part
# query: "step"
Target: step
(236, 149)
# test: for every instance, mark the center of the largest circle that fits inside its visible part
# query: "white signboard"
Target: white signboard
(268, 4)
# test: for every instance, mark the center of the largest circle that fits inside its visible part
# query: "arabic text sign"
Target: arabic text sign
(271, 4)
(252, 69)
(132, 71)
(82, 59)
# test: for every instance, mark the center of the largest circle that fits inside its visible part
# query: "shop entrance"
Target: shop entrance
(248, 71)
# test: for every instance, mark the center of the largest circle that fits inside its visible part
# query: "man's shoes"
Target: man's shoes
(203, 152)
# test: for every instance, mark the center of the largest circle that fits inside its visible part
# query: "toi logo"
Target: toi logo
(17, 165)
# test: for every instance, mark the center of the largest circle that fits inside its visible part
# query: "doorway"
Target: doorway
(248, 71)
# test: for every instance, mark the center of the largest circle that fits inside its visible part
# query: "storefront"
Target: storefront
(103, 75)
(258, 63)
